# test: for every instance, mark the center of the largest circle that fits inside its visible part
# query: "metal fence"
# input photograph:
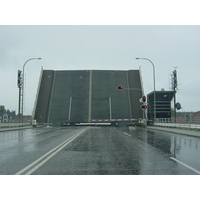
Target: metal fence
(192, 123)
(179, 120)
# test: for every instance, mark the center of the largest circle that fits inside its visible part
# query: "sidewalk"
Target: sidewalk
(188, 132)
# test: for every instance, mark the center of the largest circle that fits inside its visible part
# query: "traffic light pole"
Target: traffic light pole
(22, 88)
(174, 85)
(19, 107)
(143, 107)
(154, 85)
(19, 84)
(174, 105)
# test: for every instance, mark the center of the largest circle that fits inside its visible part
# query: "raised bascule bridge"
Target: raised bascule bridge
(77, 97)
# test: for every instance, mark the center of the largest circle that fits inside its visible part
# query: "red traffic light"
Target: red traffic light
(120, 87)
(143, 106)
(144, 99)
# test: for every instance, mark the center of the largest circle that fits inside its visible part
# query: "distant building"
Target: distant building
(7, 117)
(188, 117)
(26, 118)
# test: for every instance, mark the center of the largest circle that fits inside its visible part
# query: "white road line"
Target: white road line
(52, 152)
(126, 134)
(51, 155)
(33, 163)
(189, 167)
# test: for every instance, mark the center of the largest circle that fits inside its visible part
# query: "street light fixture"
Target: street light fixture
(153, 85)
(22, 94)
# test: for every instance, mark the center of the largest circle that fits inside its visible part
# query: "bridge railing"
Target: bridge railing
(170, 122)
(179, 120)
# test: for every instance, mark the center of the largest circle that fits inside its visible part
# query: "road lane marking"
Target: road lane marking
(33, 163)
(51, 152)
(127, 134)
(50, 156)
(189, 167)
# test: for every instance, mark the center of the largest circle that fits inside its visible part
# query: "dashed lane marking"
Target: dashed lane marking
(127, 134)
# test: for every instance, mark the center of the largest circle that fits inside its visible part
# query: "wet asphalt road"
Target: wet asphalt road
(98, 151)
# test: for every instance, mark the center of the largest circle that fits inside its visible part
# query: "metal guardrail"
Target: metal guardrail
(177, 125)
(179, 120)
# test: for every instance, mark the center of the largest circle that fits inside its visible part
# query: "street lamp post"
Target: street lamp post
(22, 103)
(153, 85)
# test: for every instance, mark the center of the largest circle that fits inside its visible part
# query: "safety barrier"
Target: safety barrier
(111, 120)
(177, 125)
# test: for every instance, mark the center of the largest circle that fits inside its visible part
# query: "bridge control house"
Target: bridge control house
(163, 104)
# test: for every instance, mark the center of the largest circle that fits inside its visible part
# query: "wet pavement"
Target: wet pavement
(98, 151)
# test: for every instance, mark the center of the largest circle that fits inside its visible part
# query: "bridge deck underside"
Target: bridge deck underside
(82, 96)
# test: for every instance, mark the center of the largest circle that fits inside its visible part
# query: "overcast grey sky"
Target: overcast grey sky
(101, 47)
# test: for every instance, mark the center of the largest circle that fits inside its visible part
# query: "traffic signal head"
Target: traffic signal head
(178, 106)
(143, 106)
(19, 78)
(143, 99)
(120, 87)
